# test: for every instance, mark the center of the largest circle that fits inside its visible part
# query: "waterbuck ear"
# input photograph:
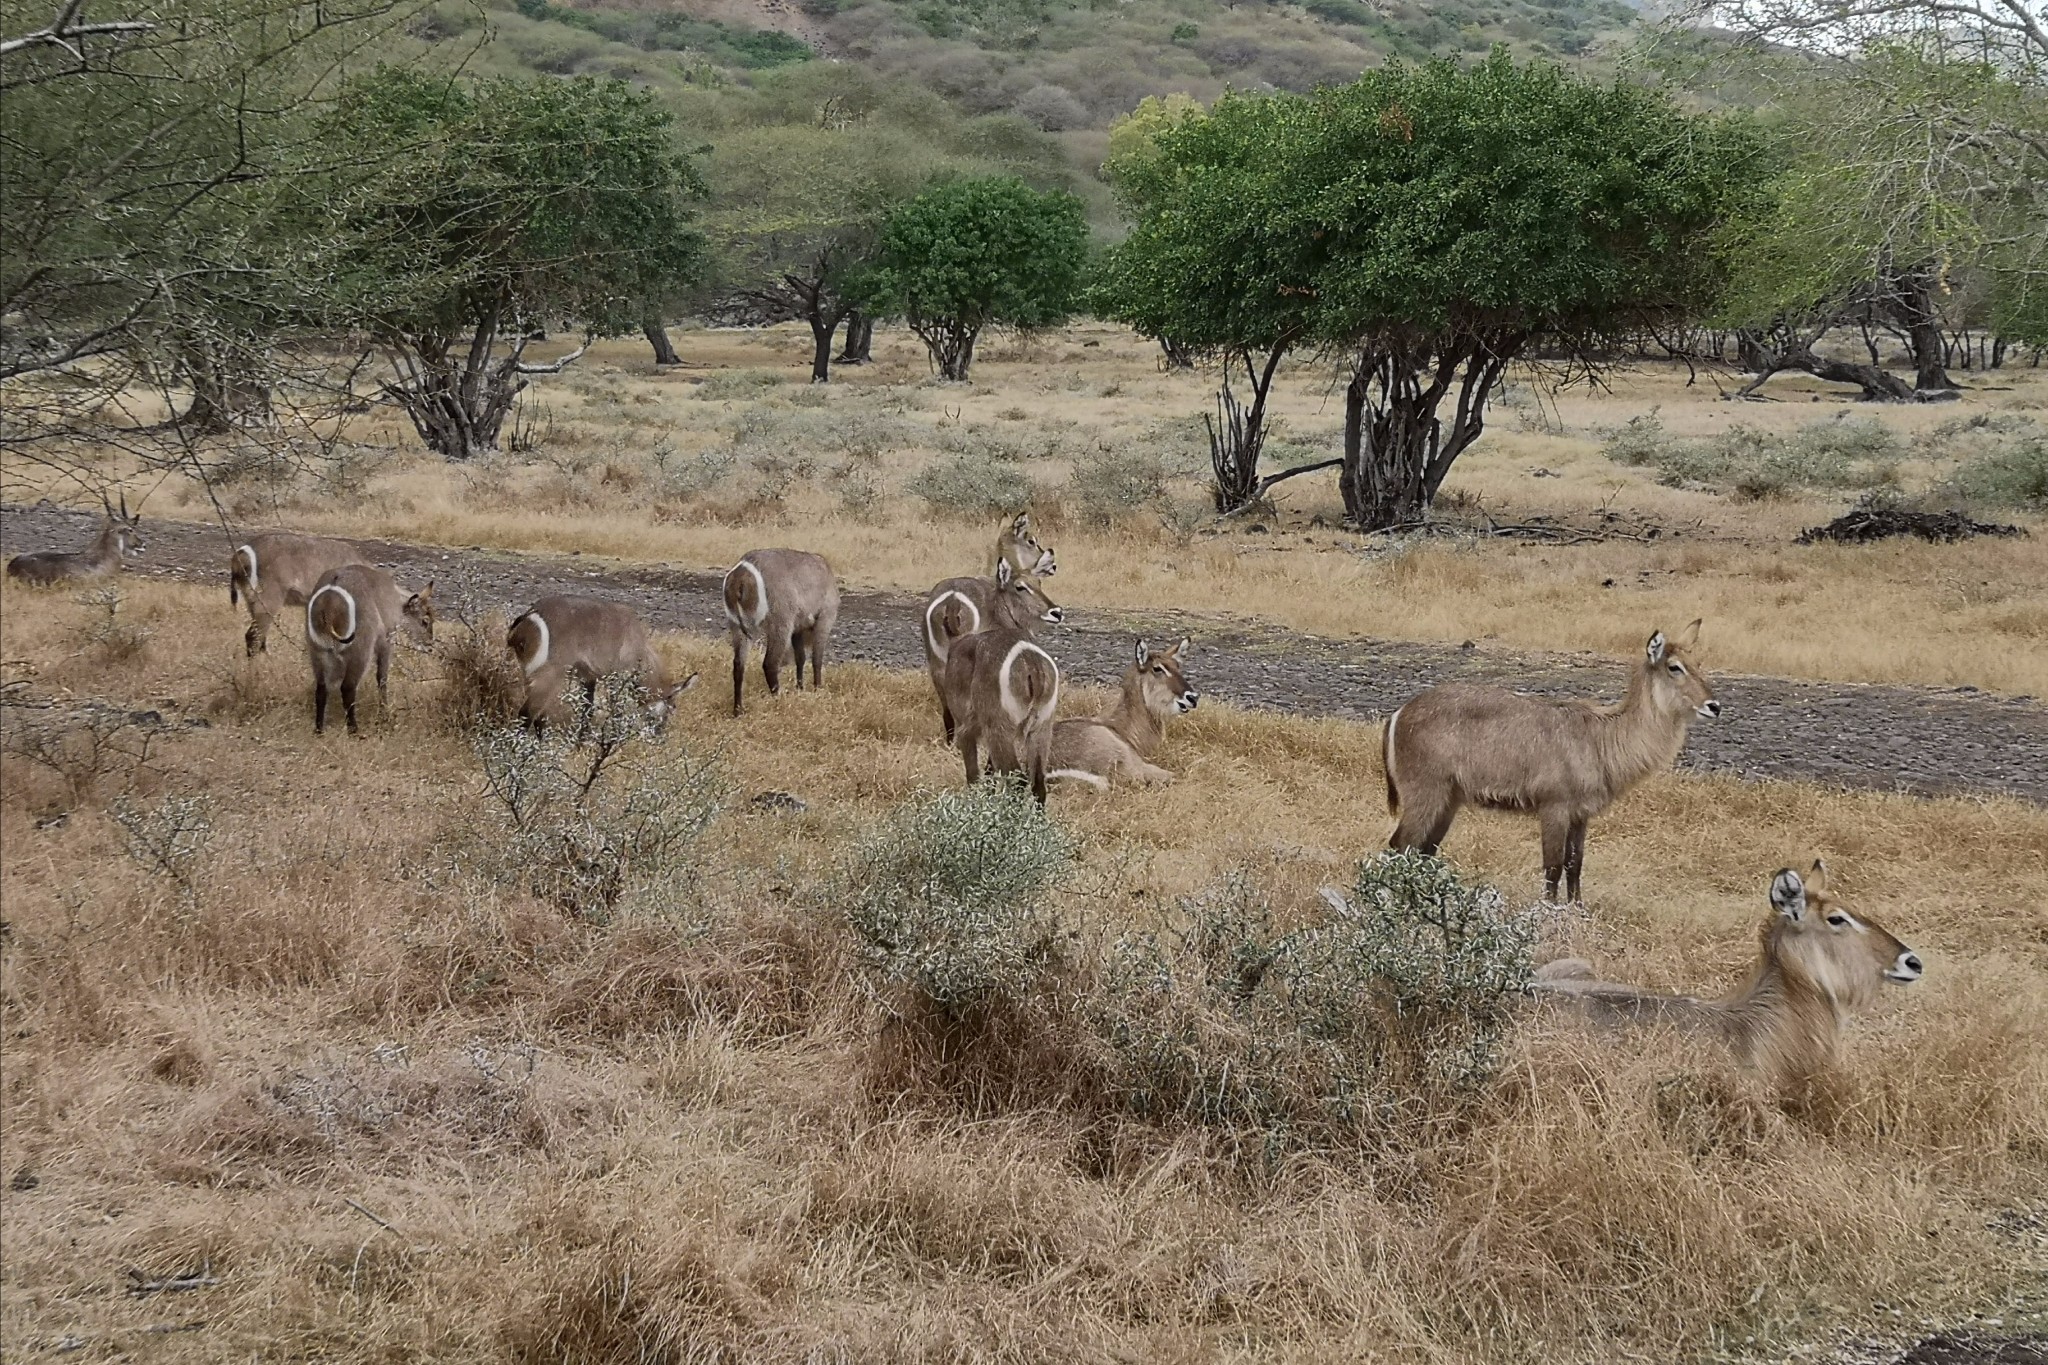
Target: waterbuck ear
(1690, 636)
(1143, 654)
(1022, 525)
(1004, 573)
(1180, 651)
(682, 687)
(427, 593)
(1788, 895)
(1817, 879)
(1656, 649)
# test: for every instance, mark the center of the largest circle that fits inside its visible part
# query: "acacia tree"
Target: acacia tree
(977, 253)
(501, 207)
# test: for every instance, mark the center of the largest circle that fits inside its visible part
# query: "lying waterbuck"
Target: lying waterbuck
(959, 607)
(119, 538)
(1817, 962)
(1563, 761)
(585, 638)
(273, 570)
(353, 617)
(1004, 690)
(786, 599)
(1118, 744)
(1019, 548)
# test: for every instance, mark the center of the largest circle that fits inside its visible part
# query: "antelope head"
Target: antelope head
(1160, 678)
(1675, 684)
(1031, 596)
(1846, 956)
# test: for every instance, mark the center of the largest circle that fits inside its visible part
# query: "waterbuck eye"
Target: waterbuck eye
(1160, 669)
(1839, 920)
(1678, 669)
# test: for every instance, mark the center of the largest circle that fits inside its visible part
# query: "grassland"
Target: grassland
(402, 1114)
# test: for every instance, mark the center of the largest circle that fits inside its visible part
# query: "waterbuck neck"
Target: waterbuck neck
(1132, 719)
(1635, 738)
(1782, 1018)
(106, 547)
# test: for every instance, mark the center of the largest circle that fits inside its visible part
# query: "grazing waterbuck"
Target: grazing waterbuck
(273, 570)
(959, 607)
(353, 617)
(584, 638)
(1117, 745)
(119, 537)
(1816, 962)
(1004, 690)
(1563, 761)
(1019, 548)
(788, 600)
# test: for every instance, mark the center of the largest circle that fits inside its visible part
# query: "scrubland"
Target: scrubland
(399, 1110)
(285, 1012)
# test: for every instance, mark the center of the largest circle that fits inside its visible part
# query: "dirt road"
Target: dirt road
(1924, 740)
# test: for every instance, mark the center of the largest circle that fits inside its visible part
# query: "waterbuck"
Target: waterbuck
(959, 607)
(1004, 690)
(1118, 744)
(786, 599)
(1563, 761)
(1020, 549)
(119, 538)
(353, 617)
(1817, 962)
(273, 570)
(584, 638)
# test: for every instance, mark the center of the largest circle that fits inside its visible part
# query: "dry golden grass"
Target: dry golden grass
(828, 469)
(628, 1142)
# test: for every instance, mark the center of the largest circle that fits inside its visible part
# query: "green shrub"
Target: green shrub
(2012, 473)
(948, 895)
(974, 485)
(740, 384)
(1116, 483)
(1838, 453)
(1395, 1003)
(595, 816)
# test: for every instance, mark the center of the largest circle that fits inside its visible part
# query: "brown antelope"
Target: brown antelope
(585, 638)
(1563, 761)
(786, 599)
(1018, 547)
(1817, 962)
(961, 606)
(1118, 744)
(119, 538)
(353, 617)
(273, 570)
(1004, 690)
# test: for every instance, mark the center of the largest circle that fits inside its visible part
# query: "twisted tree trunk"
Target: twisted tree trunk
(1397, 450)
(860, 339)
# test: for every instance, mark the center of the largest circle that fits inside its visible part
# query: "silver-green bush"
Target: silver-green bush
(1837, 453)
(974, 485)
(948, 895)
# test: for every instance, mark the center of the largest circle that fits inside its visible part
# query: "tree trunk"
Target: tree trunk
(657, 337)
(1878, 386)
(1237, 434)
(823, 326)
(860, 339)
(1750, 352)
(1397, 450)
(458, 398)
(950, 343)
(229, 388)
(1998, 345)
(1913, 303)
(1176, 355)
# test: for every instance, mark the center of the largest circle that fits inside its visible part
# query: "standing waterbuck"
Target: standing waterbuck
(1004, 690)
(119, 538)
(1816, 962)
(584, 638)
(1020, 549)
(1118, 744)
(353, 617)
(959, 607)
(1563, 761)
(787, 600)
(273, 570)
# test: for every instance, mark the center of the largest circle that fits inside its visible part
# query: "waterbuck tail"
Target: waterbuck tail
(1387, 762)
(242, 580)
(746, 598)
(530, 642)
(331, 616)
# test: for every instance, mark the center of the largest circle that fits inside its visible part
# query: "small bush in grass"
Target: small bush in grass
(1843, 452)
(1117, 483)
(2011, 473)
(595, 816)
(974, 485)
(740, 384)
(1397, 1002)
(948, 895)
(169, 838)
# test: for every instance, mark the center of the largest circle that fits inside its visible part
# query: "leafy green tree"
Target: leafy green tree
(978, 253)
(501, 207)
(1434, 223)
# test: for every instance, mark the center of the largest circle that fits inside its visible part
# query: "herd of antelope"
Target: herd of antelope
(998, 691)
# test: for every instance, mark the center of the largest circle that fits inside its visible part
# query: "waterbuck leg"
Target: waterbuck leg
(773, 650)
(796, 650)
(384, 678)
(319, 705)
(1557, 830)
(1574, 859)
(970, 750)
(348, 701)
(256, 637)
(817, 656)
(739, 669)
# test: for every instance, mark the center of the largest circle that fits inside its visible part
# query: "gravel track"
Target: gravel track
(1928, 741)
